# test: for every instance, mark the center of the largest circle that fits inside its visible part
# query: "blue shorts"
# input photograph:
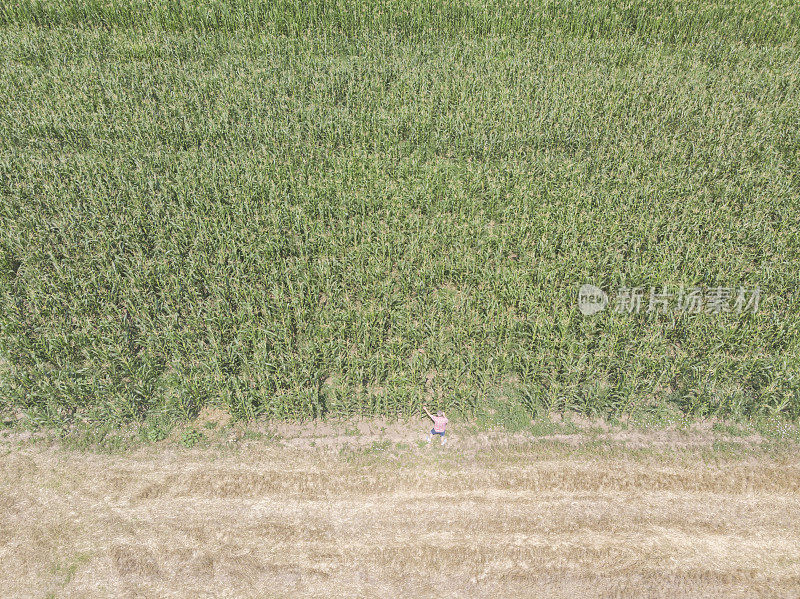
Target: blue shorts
(433, 432)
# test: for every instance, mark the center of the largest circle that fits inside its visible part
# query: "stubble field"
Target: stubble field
(488, 515)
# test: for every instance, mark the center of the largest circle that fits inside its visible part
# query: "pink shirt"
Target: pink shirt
(439, 422)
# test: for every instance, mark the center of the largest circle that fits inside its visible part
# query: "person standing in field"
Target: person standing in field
(439, 424)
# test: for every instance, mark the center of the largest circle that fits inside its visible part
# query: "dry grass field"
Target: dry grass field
(488, 515)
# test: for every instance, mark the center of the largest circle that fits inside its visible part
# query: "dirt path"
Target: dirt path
(267, 519)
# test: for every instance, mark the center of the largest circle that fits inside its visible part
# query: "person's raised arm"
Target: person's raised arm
(427, 412)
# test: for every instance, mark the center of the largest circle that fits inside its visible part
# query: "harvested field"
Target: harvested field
(471, 519)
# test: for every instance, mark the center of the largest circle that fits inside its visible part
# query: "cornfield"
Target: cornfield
(296, 209)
